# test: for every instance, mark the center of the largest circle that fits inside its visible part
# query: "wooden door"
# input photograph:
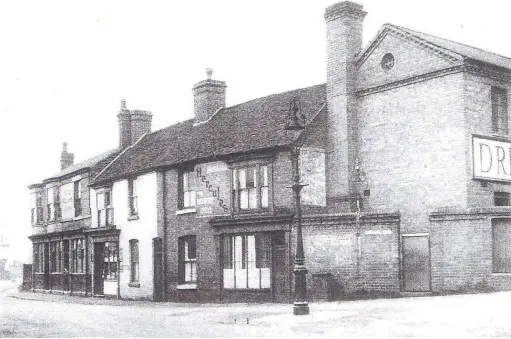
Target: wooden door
(281, 268)
(99, 285)
(157, 269)
(46, 263)
(416, 264)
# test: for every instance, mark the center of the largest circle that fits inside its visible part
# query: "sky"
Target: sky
(66, 65)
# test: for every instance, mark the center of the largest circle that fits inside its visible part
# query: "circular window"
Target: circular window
(387, 62)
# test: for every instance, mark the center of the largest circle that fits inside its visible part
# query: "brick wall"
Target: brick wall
(461, 254)
(369, 265)
(478, 115)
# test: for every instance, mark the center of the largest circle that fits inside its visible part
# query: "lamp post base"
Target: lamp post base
(301, 308)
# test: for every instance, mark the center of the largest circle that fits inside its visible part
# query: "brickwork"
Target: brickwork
(363, 264)
(461, 254)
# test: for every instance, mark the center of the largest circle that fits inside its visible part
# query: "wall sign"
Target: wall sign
(491, 159)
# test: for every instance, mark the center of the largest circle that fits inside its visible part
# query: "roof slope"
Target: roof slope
(463, 50)
(94, 164)
(253, 125)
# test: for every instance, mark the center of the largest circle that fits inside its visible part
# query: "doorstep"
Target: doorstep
(415, 294)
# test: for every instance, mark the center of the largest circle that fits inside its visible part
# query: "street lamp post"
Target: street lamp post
(301, 304)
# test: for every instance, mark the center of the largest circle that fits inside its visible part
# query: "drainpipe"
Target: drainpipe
(164, 261)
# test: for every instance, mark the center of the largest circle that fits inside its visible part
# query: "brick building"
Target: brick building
(65, 234)
(406, 155)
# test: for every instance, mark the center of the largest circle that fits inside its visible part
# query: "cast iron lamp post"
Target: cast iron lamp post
(296, 122)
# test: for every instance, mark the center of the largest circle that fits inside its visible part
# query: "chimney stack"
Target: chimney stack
(208, 97)
(344, 23)
(132, 125)
(66, 159)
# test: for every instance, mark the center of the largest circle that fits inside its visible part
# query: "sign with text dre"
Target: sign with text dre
(492, 159)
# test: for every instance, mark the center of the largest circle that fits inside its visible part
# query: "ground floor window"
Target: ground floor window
(55, 257)
(110, 261)
(246, 261)
(188, 259)
(501, 245)
(39, 257)
(134, 257)
(77, 255)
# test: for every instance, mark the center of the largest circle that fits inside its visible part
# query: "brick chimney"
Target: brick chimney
(66, 159)
(208, 97)
(344, 42)
(124, 118)
(132, 125)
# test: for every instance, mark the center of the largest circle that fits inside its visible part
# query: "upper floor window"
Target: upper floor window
(499, 110)
(186, 189)
(132, 193)
(187, 259)
(501, 198)
(53, 204)
(77, 198)
(105, 210)
(134, 271)
(250, 187)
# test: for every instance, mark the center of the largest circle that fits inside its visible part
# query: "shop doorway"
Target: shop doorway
(281, 268)
(99, 282)
(416, 263)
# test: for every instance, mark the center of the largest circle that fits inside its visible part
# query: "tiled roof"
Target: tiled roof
(94, 164)
(463, 50)
(253, 125)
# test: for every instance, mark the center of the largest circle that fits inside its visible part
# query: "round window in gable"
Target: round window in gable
(387, 62)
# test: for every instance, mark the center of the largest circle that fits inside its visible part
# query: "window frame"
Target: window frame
(262, 187)
(184, 260)
(132, 197)
(134, 261)
(260, 259)
(111, 260)
(185, 187)
(106, 208)
(501, 199)
(499, 110)
(77, 197)
(77, 251)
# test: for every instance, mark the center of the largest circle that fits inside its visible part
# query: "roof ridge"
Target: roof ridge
(274, 94)
(234, 106)
(449, 40)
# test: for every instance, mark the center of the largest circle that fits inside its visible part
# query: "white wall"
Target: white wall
(144, 229)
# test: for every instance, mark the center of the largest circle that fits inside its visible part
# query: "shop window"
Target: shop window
(105, 210)
(77, 256)
(133, 200)
(501, 198)
(187, 197)
(77, 198)
(499, 110)
(55, 257)
(501, 229)
(250, 187)
(187, 259)
(246, 261)
(110, 261)
(39, 259)
(134, 258)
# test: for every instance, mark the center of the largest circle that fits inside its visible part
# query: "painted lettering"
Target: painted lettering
(481, 157)
(501, 155)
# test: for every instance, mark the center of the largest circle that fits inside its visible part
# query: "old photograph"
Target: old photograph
(255, 168)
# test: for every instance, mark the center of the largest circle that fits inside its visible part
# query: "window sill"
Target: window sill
(502, 274)
(186, 211)
(187, 286)
(133, 217)
(134, 284)
(80, 217)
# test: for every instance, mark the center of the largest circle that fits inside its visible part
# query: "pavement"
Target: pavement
(27, 314)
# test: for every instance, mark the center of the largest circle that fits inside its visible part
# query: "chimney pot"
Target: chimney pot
(209, 73)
